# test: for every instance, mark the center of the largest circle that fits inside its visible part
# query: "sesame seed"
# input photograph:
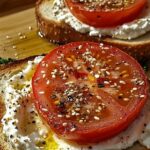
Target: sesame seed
(126, 99)
(69, 59)
(53, 76)
(67, 116)
(14, 47)
(102, 104)
(77, 109)
(134, 80)
(106, 82)
(141, 83)
(80, 94)
(48, 82)
(79, 67)
(97, 75)
(103, 69)
(59, 116)
(125, 75)
(96, 118)
(142, 96)
(106, 48)
(80, 121)
(101, 44)
(43, 65)
(44, 109)
(98, 97)
(64, 124)
(41, 92)
(109, 60)
(99, 108)
(30, 28)
(19, 34)
(43, 70)
(73, 129)
(117, 68)
(8, 37)
(73, 113)
(122, 82)
(80, 46)
(77, 114)
(126, 64)
(44, 75)
(24, 37)
(21, 37)
(54, 62)
(108, 73)
(123, 72)
(88, 111)
(134, 89)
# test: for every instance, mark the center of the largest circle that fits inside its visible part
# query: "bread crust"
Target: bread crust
(61, 33)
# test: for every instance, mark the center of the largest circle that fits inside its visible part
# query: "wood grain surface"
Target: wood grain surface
(7, 6)
(19, 39)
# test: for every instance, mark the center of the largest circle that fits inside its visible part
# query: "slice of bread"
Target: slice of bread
(59, 32)
(5, 70)
(13, 67)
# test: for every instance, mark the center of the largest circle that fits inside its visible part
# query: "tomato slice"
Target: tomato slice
(105, 13)
(88, 92)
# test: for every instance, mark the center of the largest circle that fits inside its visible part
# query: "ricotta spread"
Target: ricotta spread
(23, 133)
(139, 130)
(19, 119)
(128, 31)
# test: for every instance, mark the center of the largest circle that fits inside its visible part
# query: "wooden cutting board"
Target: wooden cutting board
(19, 39)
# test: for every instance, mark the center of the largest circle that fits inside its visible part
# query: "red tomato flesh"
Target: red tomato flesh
(106, 14)
(88, 92)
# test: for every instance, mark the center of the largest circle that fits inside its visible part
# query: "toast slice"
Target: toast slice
(14, 67)
(7, 69)
(59, 32)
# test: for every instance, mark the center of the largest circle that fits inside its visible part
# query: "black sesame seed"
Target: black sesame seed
(88, 68)
(43, 142)
(15, 110)
(70, 98)
(90, 147)
(120, 97)
(91, 95)
(21, 77)
(53, 96)
(101, 85)
(143, 131)
(33, 121)
(61, 105)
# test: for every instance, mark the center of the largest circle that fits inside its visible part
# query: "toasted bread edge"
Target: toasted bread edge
(61, 33)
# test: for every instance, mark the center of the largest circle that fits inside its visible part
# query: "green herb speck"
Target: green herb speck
(6, 60)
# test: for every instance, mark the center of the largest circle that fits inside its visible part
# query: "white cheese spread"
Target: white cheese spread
(139, 130)
(128, 31)
(19, 119)
(23, 133)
